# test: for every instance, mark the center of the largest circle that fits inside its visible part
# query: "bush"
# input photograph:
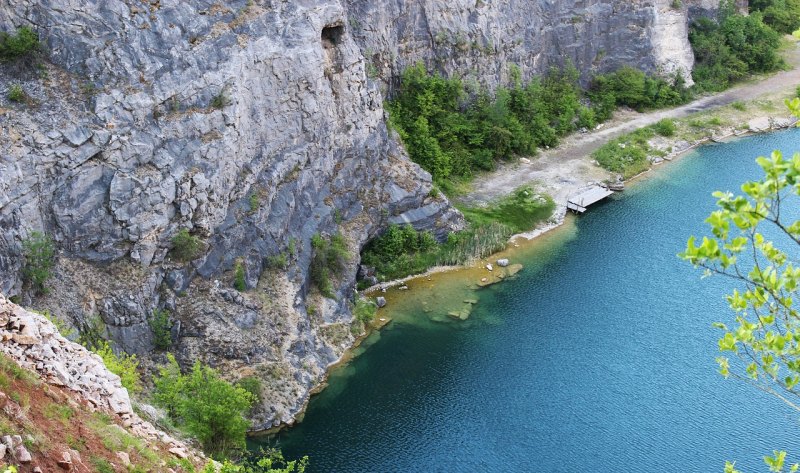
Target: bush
(16, 94)
(665, 127)
(123, 365)
(365, 310)
(740, 106)
(253, 385)
(239, 282)
(633, 88)
(329, 258)
(279, 261)
(186, 247)
(781, 15)
(161, 327)
(39, 253)
(271, 461)
(727, 52)
(204, 405)
(219, 101)
(13, 46)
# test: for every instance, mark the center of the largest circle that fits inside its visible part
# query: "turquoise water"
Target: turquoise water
(598, 357)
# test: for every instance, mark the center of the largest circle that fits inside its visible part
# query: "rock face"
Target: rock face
(254, 125)
(63, 363)
(479, 40)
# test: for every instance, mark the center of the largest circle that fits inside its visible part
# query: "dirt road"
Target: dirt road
(562, 170)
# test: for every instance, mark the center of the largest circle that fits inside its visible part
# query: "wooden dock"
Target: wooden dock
(578, 203)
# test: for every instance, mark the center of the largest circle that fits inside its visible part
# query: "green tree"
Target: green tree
(39, 253)
(205, 405)
(762, 346)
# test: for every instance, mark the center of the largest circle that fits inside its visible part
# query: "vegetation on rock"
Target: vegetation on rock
(329, 259)
(123, 365)
(782, 15)
(15, 45)
(39, 253)
(186, 247)
(161, 326)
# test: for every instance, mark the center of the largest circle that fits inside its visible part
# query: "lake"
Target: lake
(598, 357)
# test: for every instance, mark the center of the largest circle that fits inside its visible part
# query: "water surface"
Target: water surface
(598, 357)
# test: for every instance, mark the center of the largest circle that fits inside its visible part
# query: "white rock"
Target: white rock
(490, 267)
(502, 262)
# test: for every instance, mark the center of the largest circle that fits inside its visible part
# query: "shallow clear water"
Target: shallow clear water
(598, 357)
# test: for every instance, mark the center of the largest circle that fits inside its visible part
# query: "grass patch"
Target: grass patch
(58, 412)
(665, 127)
(626, 155)
(520, 211)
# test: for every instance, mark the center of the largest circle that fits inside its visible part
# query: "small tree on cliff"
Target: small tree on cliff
(764, 340)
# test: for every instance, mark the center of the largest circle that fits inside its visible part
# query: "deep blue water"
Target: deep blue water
(599, 356)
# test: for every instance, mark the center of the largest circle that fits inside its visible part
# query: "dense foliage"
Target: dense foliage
(206, 406)
(39, 253)
(632, 88)
(748, 231)
(402, 251)
(266, 462)
(729, 50)
(452, 133)
(782, 15)
(329, 258)
(21, 43)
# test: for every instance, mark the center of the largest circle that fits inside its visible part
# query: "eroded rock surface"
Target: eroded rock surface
(254, 125)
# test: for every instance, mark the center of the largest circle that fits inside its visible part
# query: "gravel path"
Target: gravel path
(563, 170)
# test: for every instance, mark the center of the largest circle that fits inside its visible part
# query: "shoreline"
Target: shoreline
(556, 221)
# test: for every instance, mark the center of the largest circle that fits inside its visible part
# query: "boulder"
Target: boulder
(757, 125)
(502, 262)
(22, 455)
(380, 301)
(64, 461)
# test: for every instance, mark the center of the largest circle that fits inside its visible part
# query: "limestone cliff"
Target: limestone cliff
(255, 125)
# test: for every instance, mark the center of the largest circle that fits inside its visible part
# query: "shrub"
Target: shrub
(239, 282)
(781, 15)
(16, 93)
(161, 326)
(39, 253)
(13, 46)
(123, 365)
(279, 261)
(665, 127)
(270, 461)
(365, 310)
(254, 201)
(329, 258)
(633, 88)
(186, 247)
(253, 385)
(219, 101)
(728, 51)
(205, 405)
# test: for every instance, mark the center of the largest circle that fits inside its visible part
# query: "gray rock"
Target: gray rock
(502, 262)
(380, 301)
(22, 455)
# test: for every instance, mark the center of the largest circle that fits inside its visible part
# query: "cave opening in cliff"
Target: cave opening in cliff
(332, 35)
